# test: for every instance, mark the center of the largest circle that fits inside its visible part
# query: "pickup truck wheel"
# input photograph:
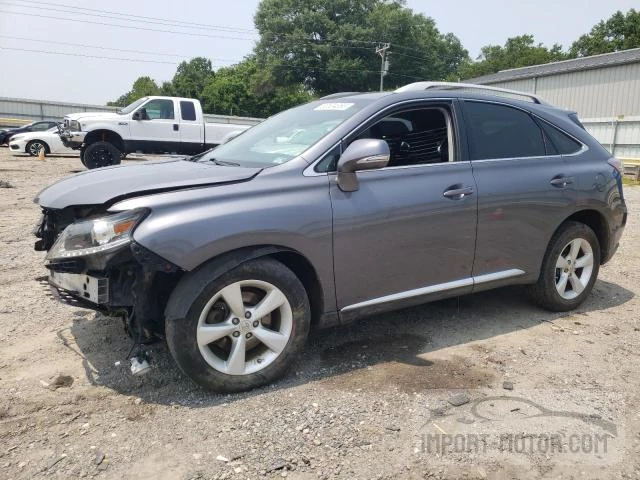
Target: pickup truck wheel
(101, 154)
(569, 269)
(244, 329)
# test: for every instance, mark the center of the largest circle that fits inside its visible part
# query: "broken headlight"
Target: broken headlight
(97, 235)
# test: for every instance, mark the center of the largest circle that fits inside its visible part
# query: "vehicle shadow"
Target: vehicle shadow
(384, 351)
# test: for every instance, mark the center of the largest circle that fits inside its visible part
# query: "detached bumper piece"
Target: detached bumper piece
(87, 287)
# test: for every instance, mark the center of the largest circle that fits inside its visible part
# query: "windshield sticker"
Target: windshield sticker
(334, 106)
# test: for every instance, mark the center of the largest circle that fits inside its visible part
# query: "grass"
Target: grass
(628, 181)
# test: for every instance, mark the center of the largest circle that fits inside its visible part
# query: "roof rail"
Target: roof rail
(412, 87)
(339, 95)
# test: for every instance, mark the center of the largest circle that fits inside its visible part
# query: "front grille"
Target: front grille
(67, 266)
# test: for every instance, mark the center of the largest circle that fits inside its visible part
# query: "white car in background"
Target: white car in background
(32, 142)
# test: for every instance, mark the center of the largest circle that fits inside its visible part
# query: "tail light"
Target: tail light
(617, 164)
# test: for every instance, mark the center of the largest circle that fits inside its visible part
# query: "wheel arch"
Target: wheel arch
(47, 148)
(597, 222)
(104, 135)
(182, 296)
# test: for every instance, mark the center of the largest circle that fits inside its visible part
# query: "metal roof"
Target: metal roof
(577, 64)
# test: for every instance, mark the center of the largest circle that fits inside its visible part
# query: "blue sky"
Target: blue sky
(77, 76)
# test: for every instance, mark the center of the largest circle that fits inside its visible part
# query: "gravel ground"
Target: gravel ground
(480, 374)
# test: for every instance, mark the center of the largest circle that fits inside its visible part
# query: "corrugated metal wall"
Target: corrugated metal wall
(603, 92)
(606, 99)
(25, 111)
(18, 111)
(621, 136)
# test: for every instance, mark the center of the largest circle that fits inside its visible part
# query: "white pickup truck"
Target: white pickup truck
(148, 125)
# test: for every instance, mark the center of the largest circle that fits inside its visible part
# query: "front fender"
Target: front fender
(121, 128)
(184, 294)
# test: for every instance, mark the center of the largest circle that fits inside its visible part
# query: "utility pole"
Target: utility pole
(384, 66)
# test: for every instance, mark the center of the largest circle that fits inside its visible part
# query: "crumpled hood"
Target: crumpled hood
(110, 184)
(93, 115)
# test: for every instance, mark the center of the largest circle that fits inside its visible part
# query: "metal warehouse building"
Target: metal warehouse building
(603, 89)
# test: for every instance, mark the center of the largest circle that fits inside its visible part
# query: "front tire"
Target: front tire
(244, 329)
(101, 154)
(34, 146)
(569, 269)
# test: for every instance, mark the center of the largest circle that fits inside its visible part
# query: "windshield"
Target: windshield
(132, 106)
(286, 135)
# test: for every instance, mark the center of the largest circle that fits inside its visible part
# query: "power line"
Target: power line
(70, 44)
(85, 56)
(50, 52)
(192, 34)
(173, 22)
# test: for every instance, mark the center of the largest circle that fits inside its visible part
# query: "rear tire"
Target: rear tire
(244, 328)
(101, 154)
(569, 269)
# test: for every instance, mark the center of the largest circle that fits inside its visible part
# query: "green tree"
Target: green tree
(191, 77)
(620, 32)
(244, 89)
(142, 87)
(521, 51)
(329, 45)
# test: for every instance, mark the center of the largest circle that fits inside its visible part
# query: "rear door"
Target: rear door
(191, 128)
(522, 193)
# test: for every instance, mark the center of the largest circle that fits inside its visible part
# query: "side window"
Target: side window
(40, 127)
(559, 143)
(159, 109)
(415, 137)
(498, 131)
(188, 110)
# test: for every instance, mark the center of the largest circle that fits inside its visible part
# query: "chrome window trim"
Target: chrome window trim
(440, 287)
(559, 155)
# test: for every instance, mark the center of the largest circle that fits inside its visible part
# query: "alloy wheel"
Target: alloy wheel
(244, 327)
(34, 148)
(102, 158)
(574, 268)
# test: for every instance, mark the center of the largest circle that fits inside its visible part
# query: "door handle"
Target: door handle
(561, 182)
(175, 127)
(458, 193)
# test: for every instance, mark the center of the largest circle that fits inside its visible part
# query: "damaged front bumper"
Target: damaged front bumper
(71, 139)
(129, 281)
(87, 287)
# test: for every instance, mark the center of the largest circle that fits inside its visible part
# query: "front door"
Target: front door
(408, 233)
(158, 132)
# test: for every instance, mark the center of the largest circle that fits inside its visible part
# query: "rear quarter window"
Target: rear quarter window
(558, 142)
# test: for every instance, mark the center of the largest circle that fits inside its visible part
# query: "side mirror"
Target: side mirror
(365, 154)
(141, 114)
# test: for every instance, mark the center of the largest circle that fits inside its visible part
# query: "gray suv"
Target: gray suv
(348, 206)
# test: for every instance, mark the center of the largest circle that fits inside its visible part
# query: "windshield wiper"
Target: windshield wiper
(224, 163)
